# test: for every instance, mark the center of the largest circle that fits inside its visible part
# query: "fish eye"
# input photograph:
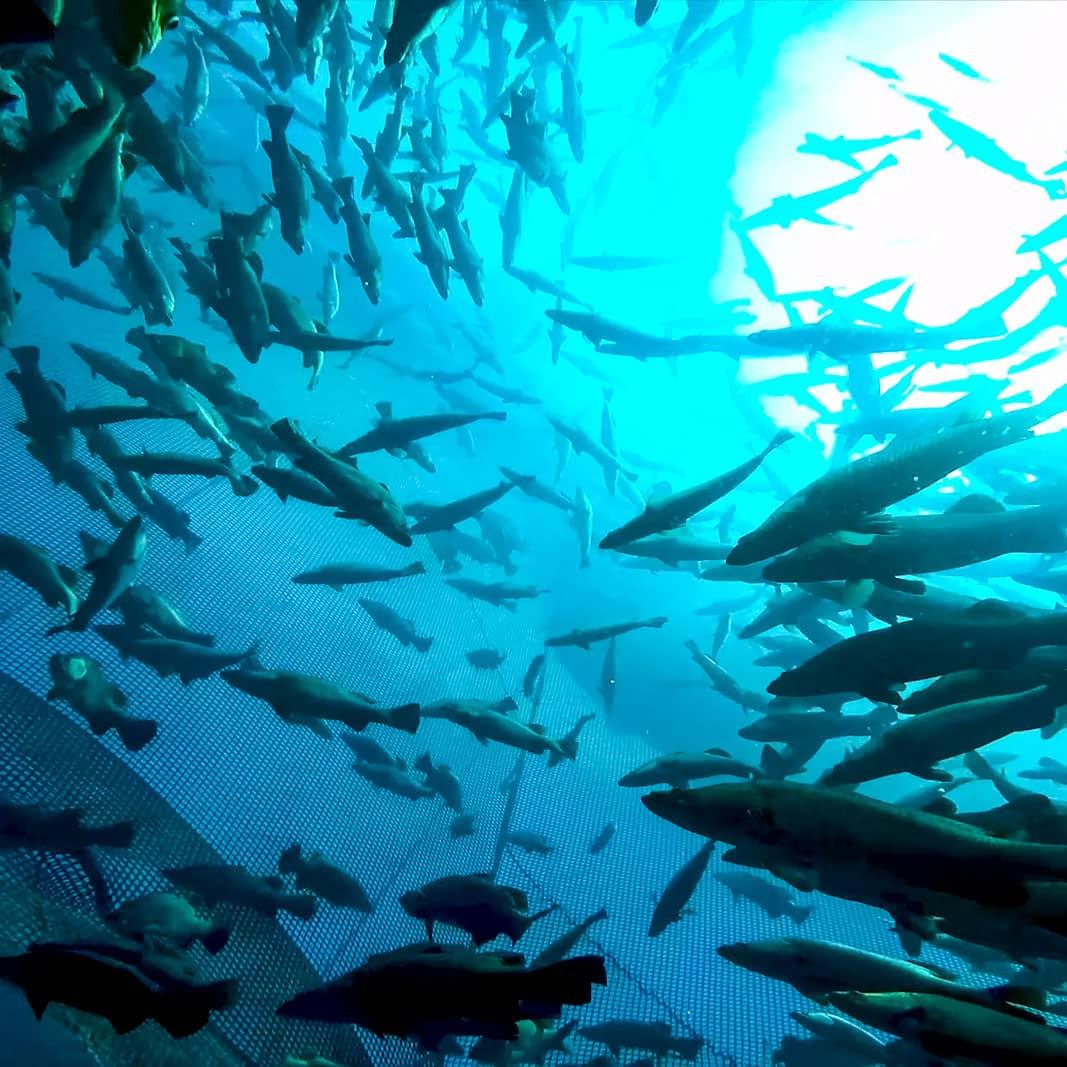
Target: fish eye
(172, 23)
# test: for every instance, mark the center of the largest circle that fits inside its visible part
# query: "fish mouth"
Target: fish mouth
(735, 953)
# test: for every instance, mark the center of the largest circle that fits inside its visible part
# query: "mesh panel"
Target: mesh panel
(225, 777)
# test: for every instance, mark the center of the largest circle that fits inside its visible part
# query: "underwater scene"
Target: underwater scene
(533, 532)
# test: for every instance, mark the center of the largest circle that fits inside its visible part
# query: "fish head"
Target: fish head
(735, 813)
(764, 957)
(413, 902)
(133, 28)
(67, 668)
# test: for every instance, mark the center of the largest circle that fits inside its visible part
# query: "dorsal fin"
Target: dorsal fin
(384, 408)
(996, 609)
(976, 504)
(717, 752)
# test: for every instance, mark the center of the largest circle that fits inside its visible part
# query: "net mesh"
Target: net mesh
(227, 781)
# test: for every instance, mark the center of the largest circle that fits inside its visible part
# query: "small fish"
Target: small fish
(485, 659)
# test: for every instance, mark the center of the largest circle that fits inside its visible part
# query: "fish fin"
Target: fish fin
(995, 609)
(902, 585)
(857, 540)
(976, 504)
(1028, 996)
(718, 752)
(858, 592)
(931, 774)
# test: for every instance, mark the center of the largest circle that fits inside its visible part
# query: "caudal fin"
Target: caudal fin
(289, 860)
(136, 733)
(185, 1010)
(215, 940)
(299, 904)
(800, 915)
(416, 568)
(406, 718)
(422, 643)
(687, 1047)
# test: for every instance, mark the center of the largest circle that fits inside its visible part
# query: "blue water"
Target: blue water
(651, 184)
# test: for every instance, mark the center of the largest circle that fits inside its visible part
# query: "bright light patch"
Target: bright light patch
(945, 222)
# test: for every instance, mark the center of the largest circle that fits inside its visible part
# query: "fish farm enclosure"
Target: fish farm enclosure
(533, 532)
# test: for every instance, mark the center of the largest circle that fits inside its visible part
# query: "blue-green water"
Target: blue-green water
(683, 144)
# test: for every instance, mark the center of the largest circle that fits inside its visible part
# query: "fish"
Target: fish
(189, 660)
(673, 901)
(534, 673)
(336, 576)
(68, 290)
(179, 463)
(802, 729)
(819, 968)
(656, 1038)
(80, 681)
(501, 594)
(920, 852)
(951, 1027)
(853, 497)
(917, 744)
(537, 490)
(292, 192)
(312, 873)
(433, 517)
(398, 436)
(304, 700)
(672, 510)
(467, 993)
(973, 530)
(582, 520)
(413, 21)
(385, 618)
(55, 583)
(987, 635)
(472, 903)
(432, 253)
(232, 884)
(774, 900)
(166, 919)
(114, 983)
(112, 574)
(845, 149)
(580, 638)
(358, 496)
(363, 255)
(394, 778)
(439, 778)
(490, 722)
(530, 842)
(564, 944)
(680, 768)
(723, 682)
(62, 830)
(485, 658)
(462, 826)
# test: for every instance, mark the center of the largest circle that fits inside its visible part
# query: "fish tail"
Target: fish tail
(136, 733)
(406, 718)
(289, 860)
(184, 1011)
(215, 940)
